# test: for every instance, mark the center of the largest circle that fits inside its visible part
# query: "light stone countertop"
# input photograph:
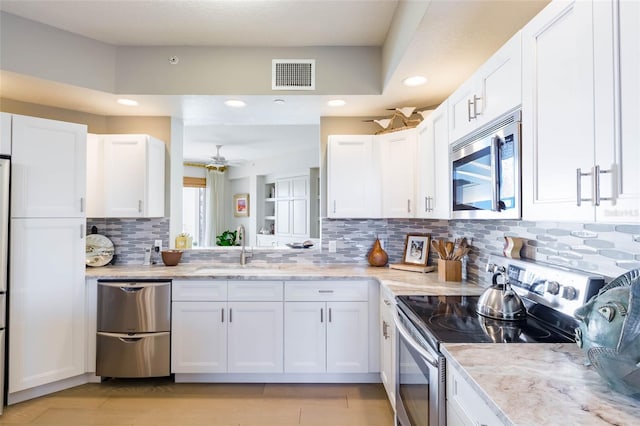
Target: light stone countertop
(399, 282)
(540, 384)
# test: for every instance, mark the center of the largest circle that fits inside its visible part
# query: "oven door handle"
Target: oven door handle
(428, 357)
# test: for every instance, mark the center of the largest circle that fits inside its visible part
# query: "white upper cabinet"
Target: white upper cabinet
(292, 207)
(5, 133)
(617, 109)
(132, 176)
(48, 168)
(353, 177)
(494, 89)
(580, 113)
(398, 168)
(434, 197)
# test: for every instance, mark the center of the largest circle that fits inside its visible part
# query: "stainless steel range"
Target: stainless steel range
(550, 294)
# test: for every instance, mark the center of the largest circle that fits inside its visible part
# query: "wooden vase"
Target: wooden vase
(377, 256)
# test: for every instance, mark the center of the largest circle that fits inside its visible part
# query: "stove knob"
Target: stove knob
(569, 293)
(553, 287)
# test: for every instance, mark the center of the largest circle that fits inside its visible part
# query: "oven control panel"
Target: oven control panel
(557, 287)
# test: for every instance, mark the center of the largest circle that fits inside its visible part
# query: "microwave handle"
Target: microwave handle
(495, 174)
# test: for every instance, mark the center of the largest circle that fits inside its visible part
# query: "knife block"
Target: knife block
(449, 270)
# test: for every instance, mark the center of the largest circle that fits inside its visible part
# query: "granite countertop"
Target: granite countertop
(399, 282)
(540, 384)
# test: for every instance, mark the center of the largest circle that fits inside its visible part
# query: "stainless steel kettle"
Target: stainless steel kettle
(500, 301)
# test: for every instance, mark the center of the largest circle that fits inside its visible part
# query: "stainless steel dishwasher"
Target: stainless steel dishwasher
(134, 324)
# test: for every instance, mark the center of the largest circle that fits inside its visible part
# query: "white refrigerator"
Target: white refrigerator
(4, 250)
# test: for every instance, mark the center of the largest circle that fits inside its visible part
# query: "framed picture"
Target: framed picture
(416, 249)
(241, 205)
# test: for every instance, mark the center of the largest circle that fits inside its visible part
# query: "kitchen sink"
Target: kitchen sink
(238, 270)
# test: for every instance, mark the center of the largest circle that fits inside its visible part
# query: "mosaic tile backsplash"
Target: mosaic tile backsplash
(605, 249)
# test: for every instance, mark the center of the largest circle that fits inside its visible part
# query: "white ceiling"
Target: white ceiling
(453, 39)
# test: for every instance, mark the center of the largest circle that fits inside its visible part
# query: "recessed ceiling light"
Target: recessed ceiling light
(416, 80)
(278, 101)
(336, 103)
(127, 102)
(235, 103)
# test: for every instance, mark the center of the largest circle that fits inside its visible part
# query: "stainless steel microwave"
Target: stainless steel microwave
(485, 171)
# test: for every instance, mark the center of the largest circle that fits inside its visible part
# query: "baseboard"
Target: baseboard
(38, 391)
(277, 378)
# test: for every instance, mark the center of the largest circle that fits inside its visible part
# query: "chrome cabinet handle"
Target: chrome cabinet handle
(81, 231)
(597, 171)
(469, 118)
(475, 104)
(579, 175)
(230, 315)
(139, 206)
(325, 291)
(334, 206)
(426, 204)
(321, 314)
(385, 328)
(408, 206)
(81, 204)
(222, 315)
(329, 314)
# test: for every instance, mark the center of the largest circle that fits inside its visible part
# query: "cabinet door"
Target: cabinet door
(95, 176)
(124, 173)
(47, 316)
(434, 175)
(255, 341)
(558, 112)
(617, 100)
(198, 337)
(500, 80)
(463, 104)
(305, 337)
(347, 337)
(48, 164)
(399, 151)
(387, 350)
(283, 224)
(5, 133)
(299, 217)
(353, 179)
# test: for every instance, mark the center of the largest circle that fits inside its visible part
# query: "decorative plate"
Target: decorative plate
(99, 250)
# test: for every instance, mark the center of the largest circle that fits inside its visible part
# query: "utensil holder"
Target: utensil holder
(449, 270)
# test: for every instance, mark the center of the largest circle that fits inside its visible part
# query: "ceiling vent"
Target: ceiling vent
(293, 74)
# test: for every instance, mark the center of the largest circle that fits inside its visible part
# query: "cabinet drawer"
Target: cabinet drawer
(255, 291)
(195, 290)
(467, 401)
(344, 291)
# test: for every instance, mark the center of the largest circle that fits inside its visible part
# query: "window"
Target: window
(194, 209)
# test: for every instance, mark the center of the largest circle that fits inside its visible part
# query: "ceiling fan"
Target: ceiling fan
(217, 160)
(220, 161)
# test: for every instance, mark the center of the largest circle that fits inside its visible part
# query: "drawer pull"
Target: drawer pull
(321, 314)
(325, 291)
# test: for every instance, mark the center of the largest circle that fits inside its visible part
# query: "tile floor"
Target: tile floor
(161, 403)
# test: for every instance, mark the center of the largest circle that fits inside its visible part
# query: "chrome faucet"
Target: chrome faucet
(241, 237)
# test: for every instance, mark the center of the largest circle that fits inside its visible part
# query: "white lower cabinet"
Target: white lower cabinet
(465, 407)
(388, 346)
(326, 327)
(274, 328)
(326, 337)
(254, 341)
(220, 327)
(199, 337)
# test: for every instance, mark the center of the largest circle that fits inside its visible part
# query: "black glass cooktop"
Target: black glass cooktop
(453, 319)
